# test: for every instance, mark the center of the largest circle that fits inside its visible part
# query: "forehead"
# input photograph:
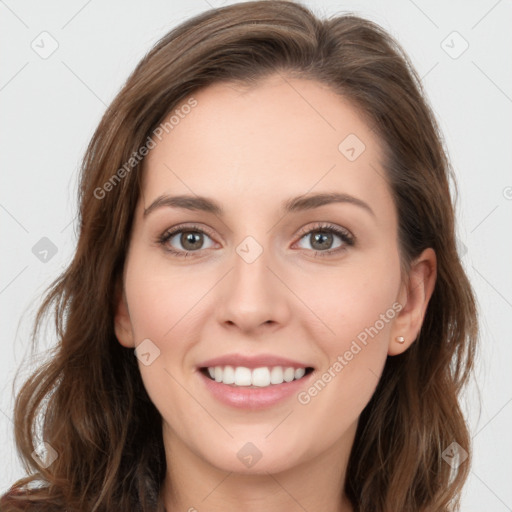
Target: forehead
(256, 146)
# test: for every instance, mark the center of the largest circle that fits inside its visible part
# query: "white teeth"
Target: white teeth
(289, 374)
(243, 376)
(259, 377)
(228, 376)
(299, 373)
(276, 375)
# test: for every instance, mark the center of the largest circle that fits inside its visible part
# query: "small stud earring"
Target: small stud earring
(400, 339)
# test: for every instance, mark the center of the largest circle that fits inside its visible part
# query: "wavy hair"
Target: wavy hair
(88, 398)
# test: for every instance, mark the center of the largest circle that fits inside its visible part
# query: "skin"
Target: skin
(250, 149)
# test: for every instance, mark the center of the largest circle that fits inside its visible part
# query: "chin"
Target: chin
(254, 458)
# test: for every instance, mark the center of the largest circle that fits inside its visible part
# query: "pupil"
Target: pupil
(189, 238)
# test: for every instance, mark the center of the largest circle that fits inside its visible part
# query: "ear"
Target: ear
(122, 322)
(414, 296)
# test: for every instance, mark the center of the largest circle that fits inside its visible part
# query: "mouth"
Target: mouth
(262, 377)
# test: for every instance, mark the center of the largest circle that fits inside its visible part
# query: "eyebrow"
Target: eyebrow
(294, 204)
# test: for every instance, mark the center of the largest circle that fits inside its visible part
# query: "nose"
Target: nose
(253, 296)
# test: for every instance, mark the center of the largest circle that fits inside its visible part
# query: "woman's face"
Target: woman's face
(267, 291)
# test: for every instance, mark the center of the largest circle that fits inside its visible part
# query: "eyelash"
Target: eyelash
(345, 236)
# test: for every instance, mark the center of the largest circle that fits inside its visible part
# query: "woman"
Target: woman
(266, 309)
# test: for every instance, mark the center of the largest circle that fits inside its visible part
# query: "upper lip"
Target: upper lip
(252, 361)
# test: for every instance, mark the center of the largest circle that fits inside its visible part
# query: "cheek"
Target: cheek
(353, 300)
(160, 298)
(162, 304)
(359, 309)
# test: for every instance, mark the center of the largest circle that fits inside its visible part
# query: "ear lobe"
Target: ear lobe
(122, 322)
(415, 296)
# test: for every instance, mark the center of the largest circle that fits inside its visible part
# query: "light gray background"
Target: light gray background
(50, 107)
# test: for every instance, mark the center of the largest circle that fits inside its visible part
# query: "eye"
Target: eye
(190, 238)
(321, 239)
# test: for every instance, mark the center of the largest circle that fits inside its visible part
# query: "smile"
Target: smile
(241, 376)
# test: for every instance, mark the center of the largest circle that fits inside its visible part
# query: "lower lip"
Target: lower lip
(245, 397)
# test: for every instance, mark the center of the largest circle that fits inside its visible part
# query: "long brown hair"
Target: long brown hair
(89, 397)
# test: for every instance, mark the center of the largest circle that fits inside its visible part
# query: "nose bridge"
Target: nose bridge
(252, 295)
(252, 279)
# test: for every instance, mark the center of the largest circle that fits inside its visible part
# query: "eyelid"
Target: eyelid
(328, 226)
(193, 227)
